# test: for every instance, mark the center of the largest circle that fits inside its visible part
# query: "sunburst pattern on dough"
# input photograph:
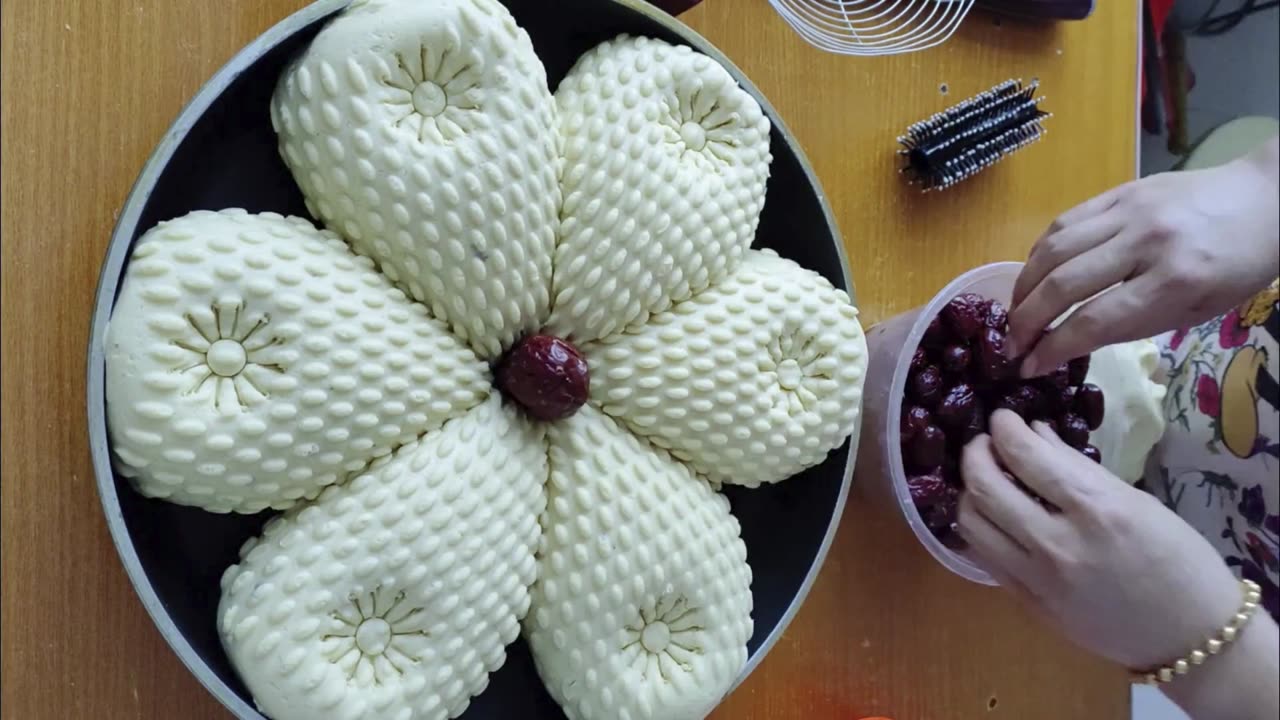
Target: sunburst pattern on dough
(367, 634)
(227, 354)
(438, 96)
(664, 638)
(702, 127)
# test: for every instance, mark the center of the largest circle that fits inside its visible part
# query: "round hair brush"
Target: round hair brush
(959, 142)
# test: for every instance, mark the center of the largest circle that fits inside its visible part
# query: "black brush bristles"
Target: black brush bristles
(960, 141)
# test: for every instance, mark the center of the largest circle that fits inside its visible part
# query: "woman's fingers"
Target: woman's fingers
(1049, 469)
(1049, 436)
(998, 553)
(1070, 283)
(998, 498)
(1128, 311)
(1062, 243)
(1095, 205)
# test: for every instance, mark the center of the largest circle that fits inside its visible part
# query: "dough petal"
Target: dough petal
(394, 596)
(252, 360)
(642, 609)
(424, 133)
(750, 382)
(665, 161)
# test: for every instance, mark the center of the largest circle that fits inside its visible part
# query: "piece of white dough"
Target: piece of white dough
(424, 133)
(751, 381)
(394, 596)
(665, 161)
(1134, 419)
(252, 360)
(642, 608)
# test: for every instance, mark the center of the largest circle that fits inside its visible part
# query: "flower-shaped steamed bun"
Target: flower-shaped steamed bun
(252, 360)
(257, 362)
(664, 167)
(423, 131)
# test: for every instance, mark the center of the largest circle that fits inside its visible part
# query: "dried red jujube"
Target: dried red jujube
(1090, 404)
(935, 335)
(914, 419)
(927, 450)
(955, 359)
(928, 489)
(965, 315)
(957, 406)
(926, 386)
(1073, 430)
(1078, 370)
(919, 359)
(997, 316)
(959, 372)
(1058, 379)
(993, 363)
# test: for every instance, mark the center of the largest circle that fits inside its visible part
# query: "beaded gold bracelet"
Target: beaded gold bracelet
(1212, 646)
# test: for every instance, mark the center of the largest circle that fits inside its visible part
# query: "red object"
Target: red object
(1231, 334)
(546, 376)
(958, 402)
(1208, 396)
(1078, 371)
(1157, 12)
(1157, 89)
(966, 315)
(1090, 404)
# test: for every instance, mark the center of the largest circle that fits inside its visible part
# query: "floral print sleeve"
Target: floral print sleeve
(1217, 465)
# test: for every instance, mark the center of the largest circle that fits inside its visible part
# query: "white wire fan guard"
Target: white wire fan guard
(873, 27)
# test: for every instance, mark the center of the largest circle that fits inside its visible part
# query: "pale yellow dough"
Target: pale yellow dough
(343, 375)
(1134, 419)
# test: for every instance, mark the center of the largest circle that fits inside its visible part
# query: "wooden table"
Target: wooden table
(90, 87)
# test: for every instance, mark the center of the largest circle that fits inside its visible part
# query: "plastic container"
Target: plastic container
(890, 345)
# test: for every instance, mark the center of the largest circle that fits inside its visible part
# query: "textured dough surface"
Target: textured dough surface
(424, 133)
(252, 360)
(1134, 419)
(665, 161)
(393, 597)
(341, 375)
(751, 381)
(642, 609)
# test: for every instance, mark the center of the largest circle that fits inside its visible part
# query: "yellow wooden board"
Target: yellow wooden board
(90, 87)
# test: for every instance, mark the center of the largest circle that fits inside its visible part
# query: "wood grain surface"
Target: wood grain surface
(89, 87)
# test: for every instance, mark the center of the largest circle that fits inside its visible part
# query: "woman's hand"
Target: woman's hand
(1167, 251)
(1111, 567)
(1117, 571)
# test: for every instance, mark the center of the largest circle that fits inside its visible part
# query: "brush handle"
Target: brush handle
(1042, 9)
